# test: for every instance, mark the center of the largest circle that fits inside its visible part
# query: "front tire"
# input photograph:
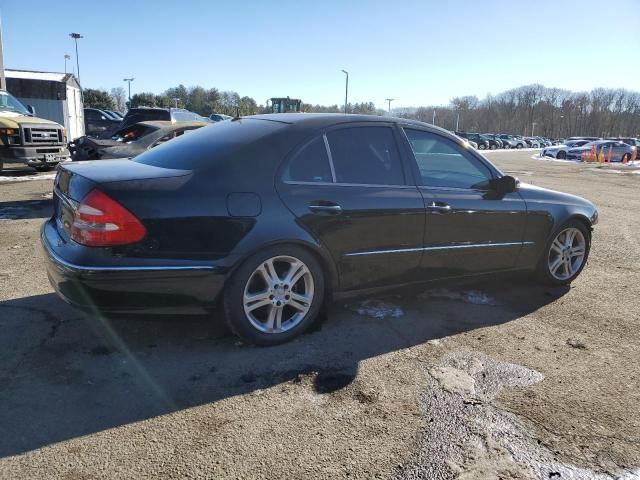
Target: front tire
(519, 146)
(275, 295)
(565, 254)
(561, 155)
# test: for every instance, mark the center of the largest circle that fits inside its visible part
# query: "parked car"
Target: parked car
(560, 151)
(132, 140)
(620, 151)
(115, 114)
(634, 142)
(334, 203)
(494, 141)
(219, 117)
(532, 142)
(144, 114)
(481, 142)
(591, 139)
(97, 121)
(520, 141)
(508, 141)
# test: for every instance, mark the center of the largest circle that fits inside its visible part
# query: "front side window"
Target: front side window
(443, 163)
(311, 164)
(366, 155)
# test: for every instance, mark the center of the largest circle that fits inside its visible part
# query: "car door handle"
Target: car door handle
(440, 207)
(330, 208)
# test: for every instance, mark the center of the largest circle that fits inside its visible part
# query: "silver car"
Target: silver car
(620, 151)
(560, 151)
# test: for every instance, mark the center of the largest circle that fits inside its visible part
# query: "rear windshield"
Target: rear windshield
(209, 143)
(136, 116)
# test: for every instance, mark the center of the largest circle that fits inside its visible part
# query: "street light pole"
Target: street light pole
(457, 121)
(66, 57)
(346, 90)
(129, 80)
(176, 99)
(389, 100)
(433, 122)
(533, 124)
(75, 37)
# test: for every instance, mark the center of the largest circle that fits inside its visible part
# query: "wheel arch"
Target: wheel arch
(331, 278)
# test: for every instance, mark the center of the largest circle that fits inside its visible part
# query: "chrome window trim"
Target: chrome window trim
(443, 247)
(326, 145)
(337, 184)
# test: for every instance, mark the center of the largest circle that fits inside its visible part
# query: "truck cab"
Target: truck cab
(27, 139)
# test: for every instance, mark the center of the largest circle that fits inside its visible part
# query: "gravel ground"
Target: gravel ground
(492, 379)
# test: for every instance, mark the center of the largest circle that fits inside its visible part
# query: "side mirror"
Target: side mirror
(505, 184)
(31, 109)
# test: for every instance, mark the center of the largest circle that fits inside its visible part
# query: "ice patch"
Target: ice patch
(552, 159)
(376, 309)
(28, 178)
(468, 437)
(468, 296)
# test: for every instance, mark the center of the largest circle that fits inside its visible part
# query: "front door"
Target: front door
(349, 189)
(469, 228)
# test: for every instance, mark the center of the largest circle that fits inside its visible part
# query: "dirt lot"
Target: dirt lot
(492, 379)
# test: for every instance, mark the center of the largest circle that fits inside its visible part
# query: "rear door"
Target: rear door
(468, 228)
(349, 187)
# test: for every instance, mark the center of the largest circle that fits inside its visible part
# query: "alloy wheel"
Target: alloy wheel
(567, 253)
(278, 294)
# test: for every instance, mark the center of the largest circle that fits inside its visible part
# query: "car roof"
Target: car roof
(321, 120)
(170, 124)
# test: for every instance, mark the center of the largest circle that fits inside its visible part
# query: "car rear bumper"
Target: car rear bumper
(157, 289)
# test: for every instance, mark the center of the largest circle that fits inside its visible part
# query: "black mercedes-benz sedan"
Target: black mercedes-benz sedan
(274, 214)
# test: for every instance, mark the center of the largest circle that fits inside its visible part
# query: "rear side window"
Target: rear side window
(311, 164)
(366, 155)
(443, 163)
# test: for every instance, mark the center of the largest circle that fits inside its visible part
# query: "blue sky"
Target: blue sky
(419, 52)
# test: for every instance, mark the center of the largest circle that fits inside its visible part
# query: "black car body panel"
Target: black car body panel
(210, 199)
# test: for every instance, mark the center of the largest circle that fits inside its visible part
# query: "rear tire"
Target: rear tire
(519, 146)
(561, 155)
(275, 295)
(565, 254)
(493, 147)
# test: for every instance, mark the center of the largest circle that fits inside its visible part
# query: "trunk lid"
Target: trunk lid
(75, 180)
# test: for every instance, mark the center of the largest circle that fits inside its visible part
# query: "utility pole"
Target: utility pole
(533, 124)
(346, 91)
(66, 57)
(3, 80)
(433, 122)
(389, 100)
(75, 37)
(457, 121)
(129, 80)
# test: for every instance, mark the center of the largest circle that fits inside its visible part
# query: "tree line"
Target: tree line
(530, 109)
(549, 112)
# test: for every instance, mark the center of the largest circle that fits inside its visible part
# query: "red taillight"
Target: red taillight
(100, 221)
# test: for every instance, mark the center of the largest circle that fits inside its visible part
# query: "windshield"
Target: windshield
(8, 103)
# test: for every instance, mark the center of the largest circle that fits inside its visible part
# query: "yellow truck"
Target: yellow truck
(27, 139)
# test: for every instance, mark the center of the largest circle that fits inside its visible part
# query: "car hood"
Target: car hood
(14, 120)
(533, 193)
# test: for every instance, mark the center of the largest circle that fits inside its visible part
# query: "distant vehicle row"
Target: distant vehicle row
(620, 149)
(491, 141)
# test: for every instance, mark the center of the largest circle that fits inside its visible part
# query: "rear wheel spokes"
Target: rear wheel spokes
(278, 294)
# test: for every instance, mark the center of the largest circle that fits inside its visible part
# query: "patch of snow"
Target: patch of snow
(511, 150)
(468, 296)
(27, 178)
(376, 309)
(552, 159)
